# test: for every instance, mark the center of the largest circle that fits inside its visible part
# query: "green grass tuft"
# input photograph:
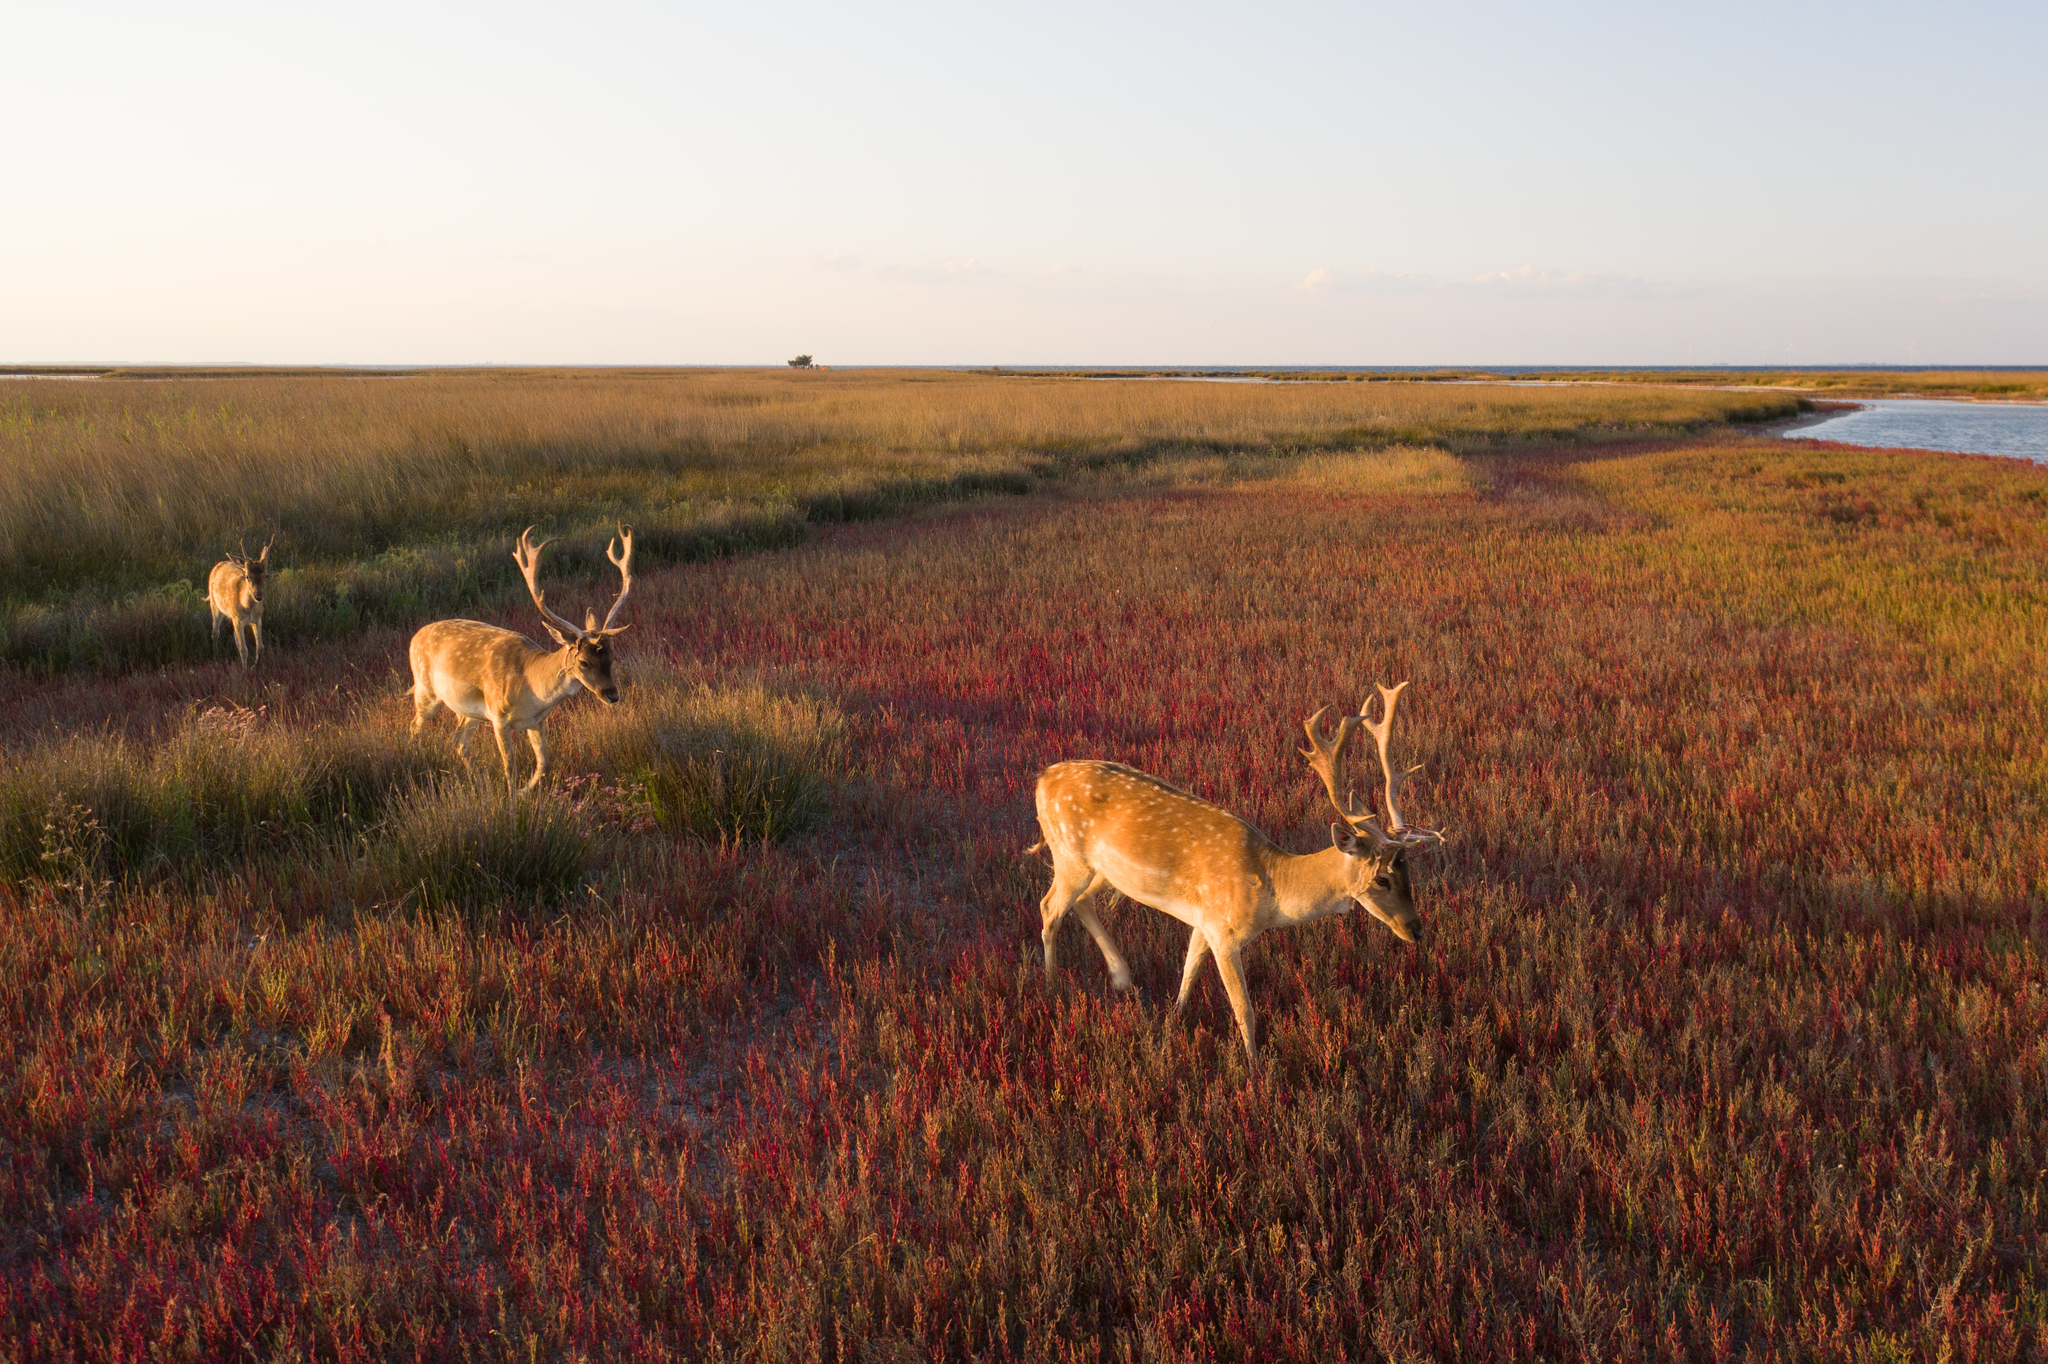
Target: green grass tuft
(740, 765)
(226, 783)
(457, 844)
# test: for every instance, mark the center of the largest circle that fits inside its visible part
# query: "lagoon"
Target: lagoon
(2016, 429)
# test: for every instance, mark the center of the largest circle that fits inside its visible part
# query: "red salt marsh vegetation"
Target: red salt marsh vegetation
(1727, 1039)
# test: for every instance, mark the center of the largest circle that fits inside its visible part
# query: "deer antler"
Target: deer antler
(1326, 757)
(527, 556)
(625, 566)
(1396, 830)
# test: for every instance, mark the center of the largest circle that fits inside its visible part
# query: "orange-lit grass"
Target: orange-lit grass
(1727, 1036)
(394, 496)
(1993, 384)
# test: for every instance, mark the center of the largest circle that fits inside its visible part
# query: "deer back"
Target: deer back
(473, 665)
(1148, 838)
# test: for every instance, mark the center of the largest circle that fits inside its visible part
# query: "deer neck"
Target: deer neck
(1308, 887)
(553, 676)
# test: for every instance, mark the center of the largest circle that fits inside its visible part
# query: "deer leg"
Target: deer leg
(1069, 884)
(1119, 971)
(214, 611)
(504, 755)
(1198, 952)
(465, 730)
(424, 704)
(241, 647)
(538, 742)
(1230, 966)
(256, 630)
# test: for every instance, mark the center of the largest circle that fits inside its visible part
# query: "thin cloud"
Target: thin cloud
(1325, 280)
(928, 271)
(1524, 281)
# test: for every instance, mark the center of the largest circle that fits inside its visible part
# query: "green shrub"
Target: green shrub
(227, 784)
(456, 844)
(738, 765)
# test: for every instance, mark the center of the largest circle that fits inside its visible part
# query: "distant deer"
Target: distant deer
(1111, 825)
(490, 675)
(234, 593)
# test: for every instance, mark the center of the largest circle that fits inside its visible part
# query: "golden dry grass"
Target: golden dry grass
(394, 497)
(1923, 383)
(162, 476)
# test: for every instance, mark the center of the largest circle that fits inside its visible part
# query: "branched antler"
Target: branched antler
(625, 567)
(1397, 832)
(527, 556)
(1326, 757)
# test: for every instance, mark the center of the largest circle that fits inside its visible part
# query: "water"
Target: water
(2016, 429)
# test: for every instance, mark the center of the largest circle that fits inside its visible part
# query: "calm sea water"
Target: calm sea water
(2019, 429)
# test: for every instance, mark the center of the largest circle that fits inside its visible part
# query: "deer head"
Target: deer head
(587, 646)
(1376, 854)
(255, 570)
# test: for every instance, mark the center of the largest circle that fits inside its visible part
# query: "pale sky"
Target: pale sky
(1025, 184)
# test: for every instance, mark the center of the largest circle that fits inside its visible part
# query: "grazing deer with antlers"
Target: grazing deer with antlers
(499, 677)
(234, 593)
(1111, 825)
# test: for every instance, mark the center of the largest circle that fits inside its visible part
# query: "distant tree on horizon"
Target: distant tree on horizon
(801, 362)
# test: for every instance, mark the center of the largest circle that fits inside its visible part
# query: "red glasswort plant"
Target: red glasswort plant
(1727, 1039)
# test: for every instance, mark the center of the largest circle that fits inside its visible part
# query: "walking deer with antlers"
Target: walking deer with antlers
(499, 677)
(1113, 826)
(234, 593)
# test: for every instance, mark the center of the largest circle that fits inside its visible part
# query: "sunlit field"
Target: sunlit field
(1989, 384)
(1728, 1037)
(391, 497)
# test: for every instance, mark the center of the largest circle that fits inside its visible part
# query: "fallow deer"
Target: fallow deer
(1113, 826)
(489, 675)
(234, 593)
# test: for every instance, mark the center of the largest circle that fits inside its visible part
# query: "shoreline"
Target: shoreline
(1833, 408)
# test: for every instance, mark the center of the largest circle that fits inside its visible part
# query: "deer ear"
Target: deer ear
(560, 638)
(1346, 841)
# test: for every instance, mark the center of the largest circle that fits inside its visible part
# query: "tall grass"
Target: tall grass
(2031, 385)
(734, 764)
(394, 498)
(461, 844)
(225, 784)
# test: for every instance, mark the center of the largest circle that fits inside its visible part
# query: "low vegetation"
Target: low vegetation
(1725, 1038)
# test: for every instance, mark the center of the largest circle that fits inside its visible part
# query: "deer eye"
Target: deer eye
(1383, 881)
